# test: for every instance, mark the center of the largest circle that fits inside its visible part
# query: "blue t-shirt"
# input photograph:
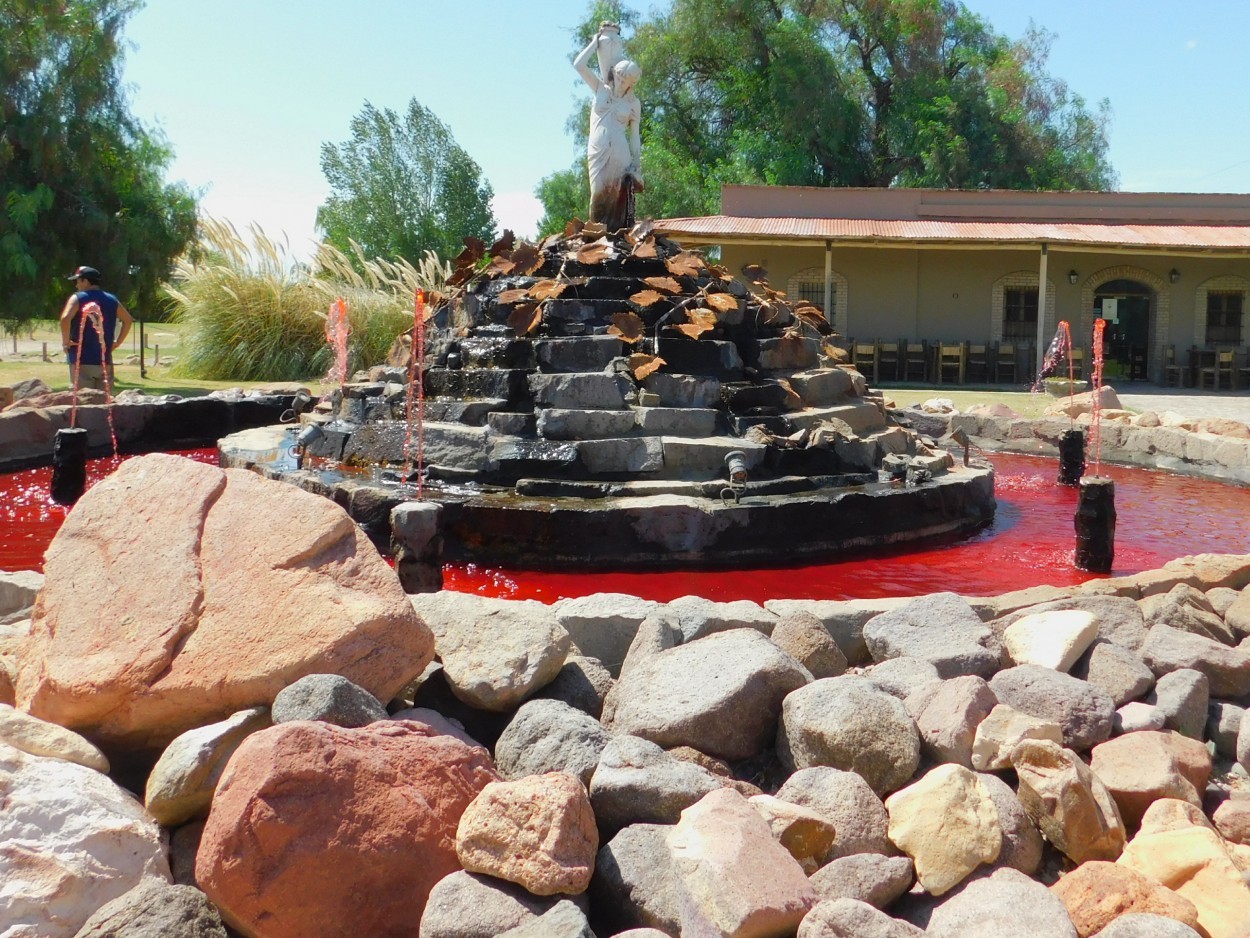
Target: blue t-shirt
(89, 343)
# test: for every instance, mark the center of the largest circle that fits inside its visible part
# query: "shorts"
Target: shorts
(90, 376)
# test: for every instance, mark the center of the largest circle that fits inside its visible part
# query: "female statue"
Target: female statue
(614, 150)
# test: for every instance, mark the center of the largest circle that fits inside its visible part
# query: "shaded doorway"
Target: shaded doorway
(1126, 305)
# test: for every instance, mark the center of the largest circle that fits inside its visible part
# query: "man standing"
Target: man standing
(80, 339)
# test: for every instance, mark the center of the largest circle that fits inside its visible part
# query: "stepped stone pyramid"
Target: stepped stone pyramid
(585, 397)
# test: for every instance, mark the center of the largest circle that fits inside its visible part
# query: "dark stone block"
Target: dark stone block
(702, 357)
(497, 352)
(743, 398)
(478, 384)
(809, 461)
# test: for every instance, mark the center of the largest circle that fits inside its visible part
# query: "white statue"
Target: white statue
(614, 150)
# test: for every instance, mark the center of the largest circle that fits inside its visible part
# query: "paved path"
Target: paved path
(1188, 402)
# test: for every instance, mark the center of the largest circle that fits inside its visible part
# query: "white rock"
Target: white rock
(999, 733)
(1051, 639)
(70, 841)
(41, 738)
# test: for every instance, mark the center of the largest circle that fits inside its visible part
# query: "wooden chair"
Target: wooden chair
(1077, 357)
(1243, 373)
(1174, 373)
(887, 360)
(952, 359)
(1004, 362)
(979, 364)
(864, 358)
(1223, 367)
(915, 362)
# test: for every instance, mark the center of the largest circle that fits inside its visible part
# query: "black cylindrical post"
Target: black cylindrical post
(69, 465)
(1071, 457)
(1095, 525)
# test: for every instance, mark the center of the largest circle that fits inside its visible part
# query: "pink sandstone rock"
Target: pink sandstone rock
(1140, 768)
(178, 593)
(1098, 892)
(538, 831)
(314, 824)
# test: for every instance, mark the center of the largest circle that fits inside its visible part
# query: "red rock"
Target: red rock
(178, 593)
(1232, 820)
(315, 824)
(1097, 892)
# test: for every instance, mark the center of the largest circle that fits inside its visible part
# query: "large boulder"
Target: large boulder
(633, 885)
(1022, 842)
(846, 799)
(41, 738)
(1084, 713)
(550, 736)
(950, 716)
(638, 782)
(721, 694)
(942, 629)
(70, 841)
(468, 905)
(845, 722)
(851, 918)
(868, 877)
(155, 909)
(733, 877)
(1098, 892)
(1228, 669)
(178, 593)
(1118, 619)
(538, 832)
(1053, 639)
(495, 653)
(364, 820)
(1140, 768)
(1187, 609)
(1005, 904)
(603, 625)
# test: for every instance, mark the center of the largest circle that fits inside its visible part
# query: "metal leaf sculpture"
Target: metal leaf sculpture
(643, 365)
(526, 258)
(755, 273)
(719, 271)
(646, 298)
(512, 296)
(663, 284)
(574, 227)
(793, 401)
(627, 326)
(698, 322)
(547, 289)
(645, 249)
(594, 229)
(812, 315)
(722, 302)
(685, 264)
(504, 244)
(526, 318)
(596, 252)
(474, 251)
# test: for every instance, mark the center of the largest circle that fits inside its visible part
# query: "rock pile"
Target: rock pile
(934, 766)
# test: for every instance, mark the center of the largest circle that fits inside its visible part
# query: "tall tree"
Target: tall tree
(81, 180)
(852, 93)
(400, 187)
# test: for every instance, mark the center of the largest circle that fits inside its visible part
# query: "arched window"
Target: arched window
(1013, 307)
(1220, 311)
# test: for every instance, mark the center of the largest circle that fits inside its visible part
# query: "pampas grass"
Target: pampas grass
(252, 315)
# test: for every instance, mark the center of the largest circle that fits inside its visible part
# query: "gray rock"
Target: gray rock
(557, 424)
(563, 920)
(630, 455)
(330, 698)
(634, 885)
(850, 918)
(1005, 904)
(1119, 619)
(683, 390)
(658, 632)
(470, 905)
(1083, 712)
(1223, 721)
(1022, 841)
(1145, 925)
(184, 844)
(496, 653)
(942, 629)
(700, 617)
(844, 619)
(1137, 716)
(1188, 610)
(603, 625)
(582, 683)
(720, 695)
(1243, 741)
(948, 721)
(550, 736)
(1237, 615)
(1182, 698)
(155, 909)
(868, 877)
(805, 639)
(858, 815)
(589, 391)
(17, 592)
(1117, 671)
(444, 726)
(1221, 599)
(846, 723)
(901, 677)
(1228, 669)
(638, 782)
(641, 933)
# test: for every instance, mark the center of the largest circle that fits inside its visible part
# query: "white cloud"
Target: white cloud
(520, 211)
(1191, 44)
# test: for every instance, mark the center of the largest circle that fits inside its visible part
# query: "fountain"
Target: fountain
(1095, 513)
(1072, 444)
(69, 453)
(577, 401)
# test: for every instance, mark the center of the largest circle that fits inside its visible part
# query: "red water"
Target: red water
(1160, 517)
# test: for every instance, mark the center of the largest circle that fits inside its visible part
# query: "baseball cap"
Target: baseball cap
(87, 273)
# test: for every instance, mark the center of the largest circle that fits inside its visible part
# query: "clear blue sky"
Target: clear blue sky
(247, 90)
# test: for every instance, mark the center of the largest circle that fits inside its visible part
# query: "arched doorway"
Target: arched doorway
(1126, 305)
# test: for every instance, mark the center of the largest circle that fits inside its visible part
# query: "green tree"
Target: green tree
(400, 187)
(851, 93)
(81, 180)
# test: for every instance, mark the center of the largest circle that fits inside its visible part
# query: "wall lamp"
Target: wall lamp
(1073, 276)
(1175, 275)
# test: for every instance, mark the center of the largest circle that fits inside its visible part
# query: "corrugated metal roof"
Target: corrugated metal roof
(736, 227)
